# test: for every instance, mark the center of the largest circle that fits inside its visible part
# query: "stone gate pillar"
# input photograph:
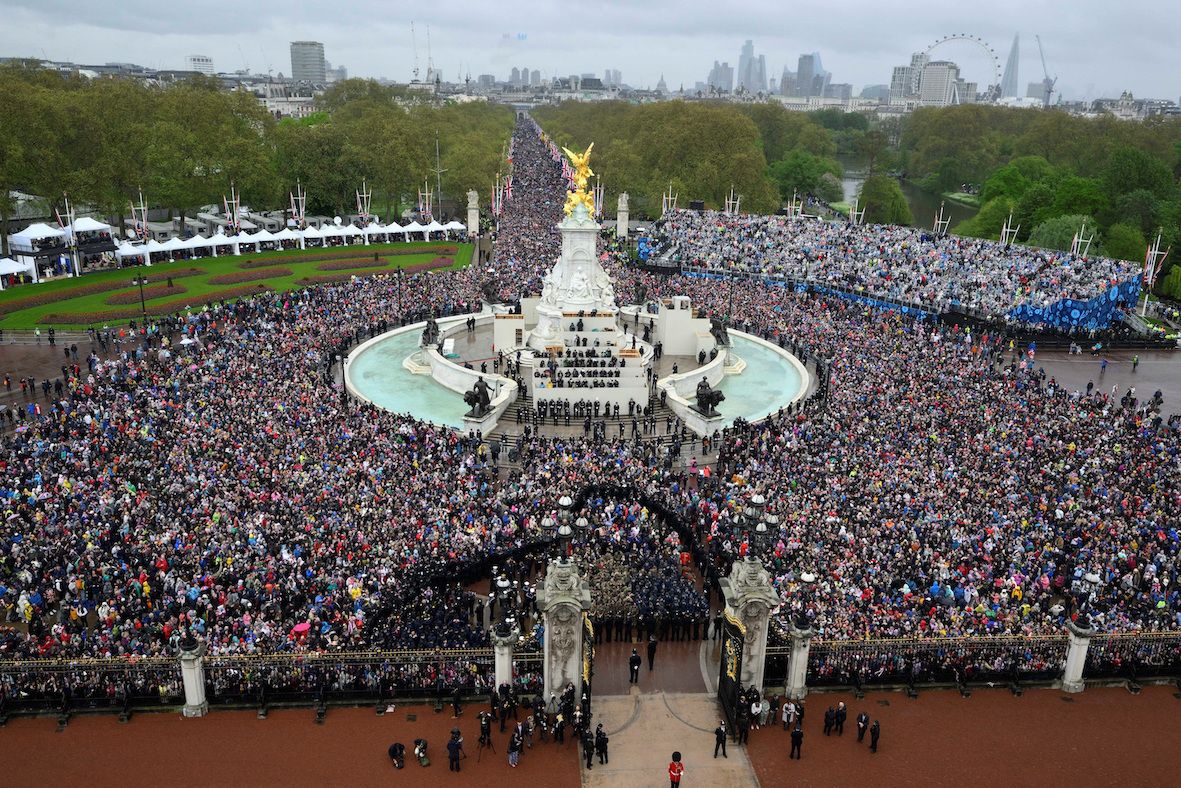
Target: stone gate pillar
(563, 598)
(750, 598)
(192, 671)
(1076, 654)
(473, 213)
(621, 216)
(797, 675)
(502, 649)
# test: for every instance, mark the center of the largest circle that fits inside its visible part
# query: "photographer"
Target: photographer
(455, 750)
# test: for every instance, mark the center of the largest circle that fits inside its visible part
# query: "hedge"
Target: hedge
(331, 279)
(133, 296)
(314, 257)
(43, 299)
(167, 308)
(249, 276)
(438, 262)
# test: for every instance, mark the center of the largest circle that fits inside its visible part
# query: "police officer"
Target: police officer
(633, 664)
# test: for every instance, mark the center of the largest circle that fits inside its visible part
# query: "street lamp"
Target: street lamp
(807, 581)
(504, 594)
(141, 281)
(565, 528)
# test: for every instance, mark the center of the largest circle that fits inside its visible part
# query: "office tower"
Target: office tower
(202, 64)
(787, 82)
(535, 77)
(900, 82)
(486, 80)
(1009, 83)
(805, 71)
(307, 62)
(514, 76)
(752, 69)
(938, 86)
(524, 76)
(721, 77)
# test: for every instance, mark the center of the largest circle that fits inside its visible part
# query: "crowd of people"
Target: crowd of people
(226, 487)
(886, 261)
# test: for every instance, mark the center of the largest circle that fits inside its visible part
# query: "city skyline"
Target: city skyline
(1085, 43)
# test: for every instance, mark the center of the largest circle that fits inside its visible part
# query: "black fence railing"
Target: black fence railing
(1134, 655)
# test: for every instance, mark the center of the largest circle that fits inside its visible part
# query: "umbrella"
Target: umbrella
(301, 628)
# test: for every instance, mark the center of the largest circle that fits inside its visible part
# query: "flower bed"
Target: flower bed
(345, 265)
(133, 296)
(331, 279)
(43, 299)
(438, 262)
(353, 255)
(167, 308)
(249, 276)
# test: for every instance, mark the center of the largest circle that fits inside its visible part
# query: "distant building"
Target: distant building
(787, 82)
(202, 64)
(880, 93)
(307, 62)
(1009, 81)
(486, 80)
(839, 90)
(535, 77)
(752, 69)
(811, 78)
(937, 87)
(514, 76)
(721, 77)
(662, 86)
(338, 74)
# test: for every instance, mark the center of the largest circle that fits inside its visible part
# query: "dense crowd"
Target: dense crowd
(226, 487)
(885, 261)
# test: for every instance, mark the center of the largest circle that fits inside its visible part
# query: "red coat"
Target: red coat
(675, 770)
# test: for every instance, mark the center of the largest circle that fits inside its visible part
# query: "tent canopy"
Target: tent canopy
(455, 225)
(86, 224)
(10, 266)
(37, 231)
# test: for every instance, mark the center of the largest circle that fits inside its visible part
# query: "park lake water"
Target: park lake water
(923, 205)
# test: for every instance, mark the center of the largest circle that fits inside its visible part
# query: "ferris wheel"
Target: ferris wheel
(961, 39)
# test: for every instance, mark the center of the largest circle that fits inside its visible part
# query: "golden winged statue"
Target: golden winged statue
(582, 173)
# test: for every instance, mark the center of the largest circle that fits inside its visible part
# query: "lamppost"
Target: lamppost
(504, 598)
(565, 528)
(141, 281)
(807, 582)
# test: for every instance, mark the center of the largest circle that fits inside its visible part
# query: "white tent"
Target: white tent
(38, 231)
(349, 231)
(85, 224)
(455, 225)
(311, 231)
(434, 227)
(262, 235)
(10, 266)
(415, 227)
(394, 227)
(131, 250)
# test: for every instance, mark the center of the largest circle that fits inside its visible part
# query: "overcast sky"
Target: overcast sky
(1095, 47)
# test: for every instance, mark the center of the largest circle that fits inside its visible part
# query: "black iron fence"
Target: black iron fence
(1134, 655)
(41, 686)
(866, 663)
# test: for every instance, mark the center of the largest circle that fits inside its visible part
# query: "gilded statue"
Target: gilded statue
(582, 173)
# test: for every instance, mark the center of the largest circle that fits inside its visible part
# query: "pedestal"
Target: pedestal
(502, 648)
(797, 674)
(192, 671)
(563, 598)
(621, 223)
(473, 213)
(750, 598)
(1076, 657)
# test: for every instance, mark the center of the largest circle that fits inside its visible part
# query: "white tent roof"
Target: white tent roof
(350, 230)
(197, 241)
(414, 227)
(36, 231)
(372, 228)
(332, 231)
(455, 225)
(153, 246)
(435, 227)
(262, 235)
(85, 224)
(170, 245)
(394, 227)
(286, 234)
(10, 266)
(242, 238)
(130, 250)
(312, 232)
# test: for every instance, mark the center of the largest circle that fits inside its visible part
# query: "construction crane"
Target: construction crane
(1048, 82)
(414, 42)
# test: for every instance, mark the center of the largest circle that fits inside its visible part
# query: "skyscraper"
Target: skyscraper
(752, 69)
(805, 71)
(307, 62)
(1009, 83)
(514, 76)
(721, 77)
(202, 64)
(939, 84)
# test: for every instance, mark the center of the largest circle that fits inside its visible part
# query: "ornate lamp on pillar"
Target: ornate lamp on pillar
(506, 633)
(192, 670)
(563, 599)
(748, 592)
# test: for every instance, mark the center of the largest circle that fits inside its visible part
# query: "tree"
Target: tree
(802, 172)
(1079, 196)
(987, 223)
(1005, 182)
(1131, 169)
(881, 199)
(1033, 207)
(1059, 233)
(873, 150)
(1140, 209)
(1125, 242)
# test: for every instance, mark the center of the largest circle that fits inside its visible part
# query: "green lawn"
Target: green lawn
(198, 285)
(970, 200)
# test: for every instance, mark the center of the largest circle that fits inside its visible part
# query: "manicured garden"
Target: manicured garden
(110, 296)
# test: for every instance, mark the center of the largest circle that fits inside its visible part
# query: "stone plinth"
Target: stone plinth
(502, 648)
(750, 598)
(192, 671)
(797, 674)
(1076, 657)
(621, 217)
(563, 598)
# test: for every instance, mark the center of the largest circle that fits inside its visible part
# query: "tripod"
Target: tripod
(485, 741)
